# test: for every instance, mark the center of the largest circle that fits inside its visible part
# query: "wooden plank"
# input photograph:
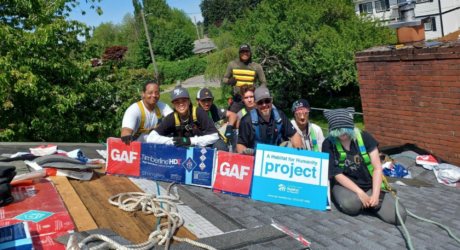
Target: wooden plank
(77, 210)
(122, 185)
(95, 195)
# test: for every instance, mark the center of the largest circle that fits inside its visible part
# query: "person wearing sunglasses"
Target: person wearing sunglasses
(266, 125)
(311, 134)
(188, 126)
(141, 117)
(243, 72)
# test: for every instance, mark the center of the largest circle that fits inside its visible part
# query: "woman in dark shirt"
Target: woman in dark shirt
(355, 187)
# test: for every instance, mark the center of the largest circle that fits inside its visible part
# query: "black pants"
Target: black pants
(237, 104)
(220, 145)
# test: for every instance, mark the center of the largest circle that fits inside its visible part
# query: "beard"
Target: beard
(266, 113)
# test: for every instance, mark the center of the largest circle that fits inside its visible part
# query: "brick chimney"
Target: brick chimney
(412, 95)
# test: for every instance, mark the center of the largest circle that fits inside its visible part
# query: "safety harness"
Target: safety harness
(222, 136)
(243, 76)
(314, 141)
(255, 123)
(244, 112)
(365, 156)
(141, 127)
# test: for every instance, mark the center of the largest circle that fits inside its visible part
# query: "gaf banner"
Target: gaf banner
(233, 174)
(161, 162)
(291, 177)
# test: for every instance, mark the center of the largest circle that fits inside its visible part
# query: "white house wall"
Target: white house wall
(430, 35)
(427, 9)
(451, 21)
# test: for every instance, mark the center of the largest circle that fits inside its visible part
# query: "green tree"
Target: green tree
(173, 45)
(143, 58)
(49, 90)
(216, 11)
(303, 43)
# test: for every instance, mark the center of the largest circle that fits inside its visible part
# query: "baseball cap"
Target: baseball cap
(245, 46)
(179, 93)
(204, 93)
(301, 103)
(261, 93)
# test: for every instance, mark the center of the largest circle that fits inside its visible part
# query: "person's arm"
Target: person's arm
(228, 73)
(296, 141)
(240, 148)
(261, 76)
(232, 117)
(204, 140)
(154, 137)
(376, 177)
(126, 132)
(158, 135)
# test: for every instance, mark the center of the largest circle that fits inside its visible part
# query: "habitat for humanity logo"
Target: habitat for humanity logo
(189, 164)
(288, 189)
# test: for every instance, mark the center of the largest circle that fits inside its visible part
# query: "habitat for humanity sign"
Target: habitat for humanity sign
(161, 162)
(290, 176)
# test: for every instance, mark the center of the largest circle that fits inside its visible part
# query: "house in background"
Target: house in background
(203, 46)
(444, 14)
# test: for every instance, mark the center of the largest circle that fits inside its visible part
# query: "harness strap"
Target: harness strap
(180, 127)
(255, 123)
(244, 112)
(313, 139)
(364, 154)
(141, 126)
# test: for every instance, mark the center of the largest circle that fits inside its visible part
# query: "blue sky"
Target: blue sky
(114, 10)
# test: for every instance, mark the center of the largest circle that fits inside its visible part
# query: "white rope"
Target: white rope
(148, 204)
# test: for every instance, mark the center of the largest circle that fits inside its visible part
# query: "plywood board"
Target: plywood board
(77, 210)
(134, 226)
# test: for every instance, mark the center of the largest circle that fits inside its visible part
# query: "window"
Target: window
(430, 24)
(424, 1)
(366, 8)
(381, 6)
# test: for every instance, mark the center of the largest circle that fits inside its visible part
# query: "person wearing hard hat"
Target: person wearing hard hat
(243, 72)
(189, 126)
(141, 117)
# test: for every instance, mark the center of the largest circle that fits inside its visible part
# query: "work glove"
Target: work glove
(229, 134)
(181, 141)
(232, 81)
(128, 139)
(248, 151)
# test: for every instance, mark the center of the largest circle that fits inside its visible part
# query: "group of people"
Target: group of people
(355, 169)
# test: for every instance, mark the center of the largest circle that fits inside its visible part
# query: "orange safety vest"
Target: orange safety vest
(243, 77)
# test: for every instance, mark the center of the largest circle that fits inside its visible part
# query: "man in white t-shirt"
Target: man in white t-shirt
(141, 117)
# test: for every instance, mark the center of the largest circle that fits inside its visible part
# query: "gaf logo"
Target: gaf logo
(234, 171)
(281, 187)
(124, 156)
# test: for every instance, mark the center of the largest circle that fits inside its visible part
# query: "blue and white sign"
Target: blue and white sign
(193, 166)
(291, 177)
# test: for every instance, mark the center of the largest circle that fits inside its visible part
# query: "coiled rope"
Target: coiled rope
(148, 204)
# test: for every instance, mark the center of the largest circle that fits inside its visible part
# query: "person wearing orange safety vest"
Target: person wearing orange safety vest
(141, 117)
(241, 72)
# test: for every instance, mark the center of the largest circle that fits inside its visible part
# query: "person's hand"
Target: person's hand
(248, 151)
(364, 198)
(127, 139)
(181, 141)
(373, 201)
(232, 81)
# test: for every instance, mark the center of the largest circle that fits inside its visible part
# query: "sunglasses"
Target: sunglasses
(264, 101)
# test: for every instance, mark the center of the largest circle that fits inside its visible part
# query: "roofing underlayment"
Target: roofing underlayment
(242, 223)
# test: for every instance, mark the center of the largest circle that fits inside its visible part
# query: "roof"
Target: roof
(246, 222)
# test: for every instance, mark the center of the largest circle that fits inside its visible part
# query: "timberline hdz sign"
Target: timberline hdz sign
(193, 166)
(278, 175)
(291, 177)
